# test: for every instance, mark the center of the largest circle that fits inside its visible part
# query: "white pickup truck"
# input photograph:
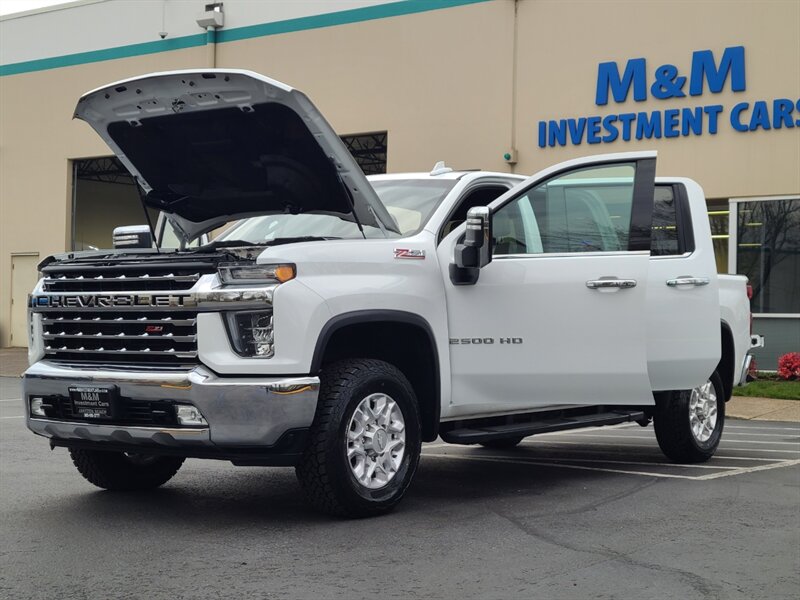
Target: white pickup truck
(340, 323)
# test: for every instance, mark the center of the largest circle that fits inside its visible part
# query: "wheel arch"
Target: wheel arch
(412, 350)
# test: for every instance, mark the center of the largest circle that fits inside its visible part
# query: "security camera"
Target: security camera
(162, 34)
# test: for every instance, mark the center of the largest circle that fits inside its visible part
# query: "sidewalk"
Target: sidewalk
(763, 409)
(14, 361)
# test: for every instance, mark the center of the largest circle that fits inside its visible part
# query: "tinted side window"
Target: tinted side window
(671, 233)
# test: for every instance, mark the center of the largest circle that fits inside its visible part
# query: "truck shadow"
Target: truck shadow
(223, 497)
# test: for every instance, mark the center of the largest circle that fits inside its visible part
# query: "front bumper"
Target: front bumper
(249, 418)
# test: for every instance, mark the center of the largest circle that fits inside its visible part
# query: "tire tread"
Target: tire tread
(312, 471)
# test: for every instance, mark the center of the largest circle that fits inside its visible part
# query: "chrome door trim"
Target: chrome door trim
(595, 284)
(688, 281)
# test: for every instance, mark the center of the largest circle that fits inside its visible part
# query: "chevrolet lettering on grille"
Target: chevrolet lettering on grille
(110, 301)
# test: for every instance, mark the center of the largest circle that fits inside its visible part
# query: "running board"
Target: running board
(485, 433)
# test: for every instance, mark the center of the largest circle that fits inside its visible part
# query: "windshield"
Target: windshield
(410, 202)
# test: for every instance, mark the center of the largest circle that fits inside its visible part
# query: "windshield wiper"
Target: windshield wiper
(211, 246)
(302, 238)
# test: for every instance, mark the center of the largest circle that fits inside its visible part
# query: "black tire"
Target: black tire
(324, 471)
(673, 429)
(118, 471)
(502, 444)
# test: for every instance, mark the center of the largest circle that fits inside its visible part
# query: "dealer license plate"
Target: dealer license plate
(92, 402)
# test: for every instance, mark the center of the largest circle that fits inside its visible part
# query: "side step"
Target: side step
(484, 433)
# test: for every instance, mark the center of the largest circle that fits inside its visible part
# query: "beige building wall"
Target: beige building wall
(438, 82)
(462, 84)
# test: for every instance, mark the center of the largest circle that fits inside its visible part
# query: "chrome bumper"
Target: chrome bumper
(241, 412)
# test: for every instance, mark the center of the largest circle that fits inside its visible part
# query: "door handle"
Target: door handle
(596, 284)
(688, 281)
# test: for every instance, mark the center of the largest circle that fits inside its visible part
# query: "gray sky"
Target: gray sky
(13, 6)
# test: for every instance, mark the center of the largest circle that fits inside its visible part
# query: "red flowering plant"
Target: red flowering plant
(789, 366)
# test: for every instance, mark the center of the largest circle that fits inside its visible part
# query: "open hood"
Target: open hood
(211, 146)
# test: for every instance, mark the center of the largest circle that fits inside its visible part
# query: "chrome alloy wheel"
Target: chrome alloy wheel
(703, 411)
(376, 441)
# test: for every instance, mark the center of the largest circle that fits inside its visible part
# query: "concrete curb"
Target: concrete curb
(763, 409)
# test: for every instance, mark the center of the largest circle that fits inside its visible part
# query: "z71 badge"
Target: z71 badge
(409, 253)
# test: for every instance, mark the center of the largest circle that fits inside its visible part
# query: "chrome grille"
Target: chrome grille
(137, 277)
(123, 337)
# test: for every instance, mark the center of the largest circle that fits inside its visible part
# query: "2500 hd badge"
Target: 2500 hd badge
(484, 341)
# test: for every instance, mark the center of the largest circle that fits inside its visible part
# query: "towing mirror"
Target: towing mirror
(476, 250)
(132, 236)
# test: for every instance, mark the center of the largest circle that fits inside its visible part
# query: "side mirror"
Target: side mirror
(132, 236)
(476, 250)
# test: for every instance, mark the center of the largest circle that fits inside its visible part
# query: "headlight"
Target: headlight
(251, 333)
(251, 274)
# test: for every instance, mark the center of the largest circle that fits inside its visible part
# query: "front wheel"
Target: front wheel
(689, 423)
(122, 471)
(365, 440)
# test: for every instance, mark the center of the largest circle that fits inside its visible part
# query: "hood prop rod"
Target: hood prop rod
(142, 197)
(352, 207)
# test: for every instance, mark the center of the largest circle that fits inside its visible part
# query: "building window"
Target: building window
(369, 150)
(718, 215)
(104, 196)
(766, 248)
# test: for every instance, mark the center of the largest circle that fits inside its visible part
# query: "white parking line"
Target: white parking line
(743, 470)
(16, 401)
(648, 437)
(639, 462)
(795, 429)
(727, 433)
(557, 465)
(726, 472)
(607, 445)
(14, 417)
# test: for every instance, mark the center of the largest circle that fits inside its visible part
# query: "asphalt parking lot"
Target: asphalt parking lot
(591, 514)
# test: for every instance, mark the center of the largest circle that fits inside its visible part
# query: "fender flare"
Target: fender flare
(359, 317)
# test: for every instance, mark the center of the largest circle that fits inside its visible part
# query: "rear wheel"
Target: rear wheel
(502, 444)
(689, 423)
(365, 440)
(122, 471)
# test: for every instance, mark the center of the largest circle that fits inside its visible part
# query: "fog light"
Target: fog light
(37, 407)
(252, 334)
(189, 415)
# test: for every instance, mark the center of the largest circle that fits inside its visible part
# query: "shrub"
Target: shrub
(789, 366)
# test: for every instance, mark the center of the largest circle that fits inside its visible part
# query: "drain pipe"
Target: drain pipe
(211, 47)
(211, 19)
